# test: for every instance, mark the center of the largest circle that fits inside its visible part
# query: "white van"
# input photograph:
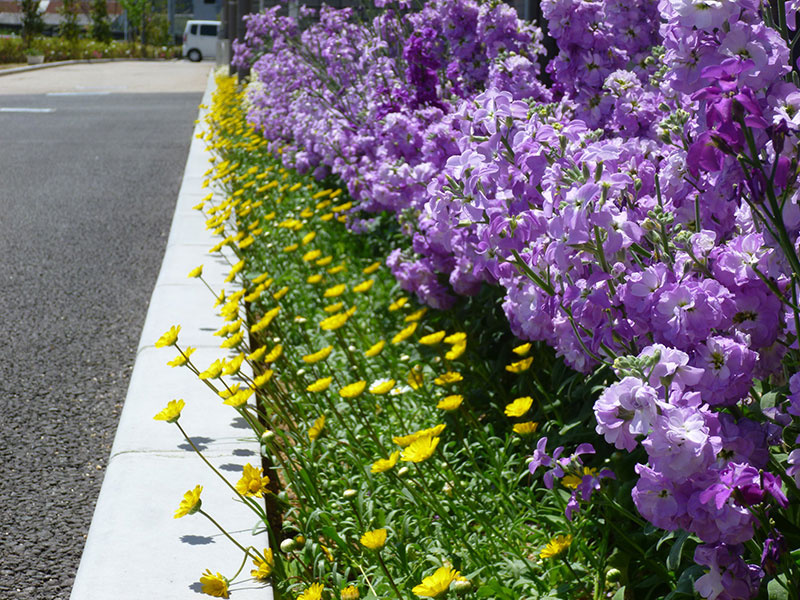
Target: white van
(200, 40)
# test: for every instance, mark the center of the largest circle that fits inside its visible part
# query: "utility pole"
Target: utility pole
(243, 8)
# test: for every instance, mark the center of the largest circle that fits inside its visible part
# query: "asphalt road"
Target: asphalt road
(87, 193)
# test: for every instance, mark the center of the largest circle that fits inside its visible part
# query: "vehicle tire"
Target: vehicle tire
(194, 55)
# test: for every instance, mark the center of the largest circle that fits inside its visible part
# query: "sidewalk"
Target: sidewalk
(135, 548)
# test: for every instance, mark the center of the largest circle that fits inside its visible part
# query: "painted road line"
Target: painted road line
(77, 93)
(21, 109)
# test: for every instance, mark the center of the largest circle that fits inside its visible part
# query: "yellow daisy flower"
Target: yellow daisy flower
(196, 272)
(353, 390)
(333, 322)
(260, 380)
(263, 568)
(182, 359)
(318, 356)
(374, 540)
(371, 268)
(190, 503)
(416, 316)
(309, 237)
(405, 333)
(214, 585)
(334, 308)
(169, 338)
(238, 398)
(556, 546)
(406, 440)
(324, 261)
(349, 593)
(314, 279)
(415, 377)
(448, 378)
(274, 354)
(522, 350)
(172, 412)
(232, 366)
(526, 428)
(436, 584)
(382, 387)
(364, 286)
(450, 403)
(375, 349)
(432, 338)
(320, 385)
(336, 269)
(336, 290)
(314, 592)
(398, 304)
(384, 464)
(316, 428)
(256, 355)
(519, 407)
(456, 338)
(520, 366)
(280, 293)
(213, 371)
(253, 481)
(420, 449)
(456, 351)
(291, 248)
(312, 255)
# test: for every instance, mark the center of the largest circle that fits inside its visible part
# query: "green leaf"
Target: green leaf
(675, 553)
(776, 591)
(620, 595)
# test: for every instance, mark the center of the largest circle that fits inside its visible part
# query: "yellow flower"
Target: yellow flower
(415, 377)
(274, 354)
(405, 333)
(526, 428)
(314, 279)
(450, 403)
(318, 356)
(573, 480)
(196, 272)
(556, 546)
(375, 349)
(229, 328)
(191, 503)
(456, 351)
(182, 359)
(336, 269)
(437, 584)
(398, 304)
(350, 593)
(372, 268)
(316, 428)
(213, 371)
(261, 279)
(253, 482)
(374, 540)
(232, 341)
(335, 291)
(522, 350)
(238, 397)
(364, 286)
(291, 248)
(333, 308)
(169, 338)
(416, 316)
(308, 238)
(232, 366)
(326, 217)
(263, 378)
(448, 378)
(265, 321)
(382, 387)
(324, 261)
(314, 592)
(320, 385)
(432, 338)
(263, 568)
(456, 338)
(280, 293)
(354, 390)
(333, 322)
(384, 464)
(420, 449)
(519, 407)
(312, 255)
(214, 585)
(172, 412)
(520, 366)
(406, 440)
(256, 355)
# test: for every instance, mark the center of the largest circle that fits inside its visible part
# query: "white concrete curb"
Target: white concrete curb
(135, 548)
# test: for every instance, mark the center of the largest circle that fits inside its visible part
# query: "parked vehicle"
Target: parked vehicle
(200, 40)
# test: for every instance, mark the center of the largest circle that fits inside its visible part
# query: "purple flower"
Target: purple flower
(624, 410)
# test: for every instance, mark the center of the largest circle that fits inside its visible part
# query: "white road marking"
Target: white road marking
(77, 94)
(20, 109)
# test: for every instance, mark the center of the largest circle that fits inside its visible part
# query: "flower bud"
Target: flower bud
(268, 436)
(349, 494)
(300, 540)
(403, 472)
(613, 575)
(461, 585)
(287, 545)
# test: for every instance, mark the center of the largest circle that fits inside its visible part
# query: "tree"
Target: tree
(32, 22)
(69, 28)
(101, 30)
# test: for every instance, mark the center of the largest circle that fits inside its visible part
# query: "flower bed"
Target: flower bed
(633, 214)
